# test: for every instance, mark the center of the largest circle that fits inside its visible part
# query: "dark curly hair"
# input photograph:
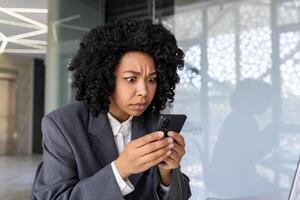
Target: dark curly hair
(101, 50)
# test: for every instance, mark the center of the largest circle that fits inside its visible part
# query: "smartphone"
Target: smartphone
(170, 122)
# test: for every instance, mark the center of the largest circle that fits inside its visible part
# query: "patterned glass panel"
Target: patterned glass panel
(288, 12)
(241, 97)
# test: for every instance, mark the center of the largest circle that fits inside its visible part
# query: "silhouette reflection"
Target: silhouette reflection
(241, 144)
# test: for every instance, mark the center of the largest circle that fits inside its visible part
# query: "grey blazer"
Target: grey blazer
(77, 151)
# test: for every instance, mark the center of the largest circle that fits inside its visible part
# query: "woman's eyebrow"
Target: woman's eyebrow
(138, 73)
(153, 73)
(133, 72)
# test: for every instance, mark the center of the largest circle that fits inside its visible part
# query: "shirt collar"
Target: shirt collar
(116, 125)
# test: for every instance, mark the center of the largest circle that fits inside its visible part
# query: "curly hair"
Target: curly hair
(101, 50)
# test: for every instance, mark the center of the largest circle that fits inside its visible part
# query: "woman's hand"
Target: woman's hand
(172, 161)
(142, 153)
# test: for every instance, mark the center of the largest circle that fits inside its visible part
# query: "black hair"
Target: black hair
(101, 50)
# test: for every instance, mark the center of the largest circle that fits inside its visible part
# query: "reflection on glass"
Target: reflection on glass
(227, 44)
(241, 145)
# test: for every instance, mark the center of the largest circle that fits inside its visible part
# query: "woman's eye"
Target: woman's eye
(130, 79)
(152, 80)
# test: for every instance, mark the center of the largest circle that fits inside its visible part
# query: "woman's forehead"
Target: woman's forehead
(136, 57)
(136, 62)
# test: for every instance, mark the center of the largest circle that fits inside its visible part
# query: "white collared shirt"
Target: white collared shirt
(122, 136)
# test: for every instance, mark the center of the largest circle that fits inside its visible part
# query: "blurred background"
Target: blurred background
(240, 86)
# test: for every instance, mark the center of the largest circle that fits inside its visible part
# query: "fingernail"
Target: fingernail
(170, 140)
(169, 152)
(160, 134)
(171, 146)
(170, 134)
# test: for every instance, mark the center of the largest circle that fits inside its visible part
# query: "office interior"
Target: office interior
(240, 86)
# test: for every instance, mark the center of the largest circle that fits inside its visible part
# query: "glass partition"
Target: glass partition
(68, 22)
(241, 91)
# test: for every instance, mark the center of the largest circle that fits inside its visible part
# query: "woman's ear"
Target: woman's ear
(110, 99)
(153, 108)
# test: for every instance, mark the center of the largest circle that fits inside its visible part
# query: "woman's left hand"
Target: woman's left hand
(178, 151)
(173, 159)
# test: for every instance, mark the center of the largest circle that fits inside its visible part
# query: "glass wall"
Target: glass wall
(68, 22)
(241, 91)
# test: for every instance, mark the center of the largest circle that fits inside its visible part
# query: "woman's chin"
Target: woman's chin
(137, 112)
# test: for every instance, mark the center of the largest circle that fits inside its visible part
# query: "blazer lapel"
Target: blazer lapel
(138, 130)
(103, 144)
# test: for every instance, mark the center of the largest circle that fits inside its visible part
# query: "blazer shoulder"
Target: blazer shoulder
(70, 112)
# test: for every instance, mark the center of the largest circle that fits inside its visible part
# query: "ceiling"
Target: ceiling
(23, 27)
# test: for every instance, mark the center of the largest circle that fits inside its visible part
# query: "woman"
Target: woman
(104, 146)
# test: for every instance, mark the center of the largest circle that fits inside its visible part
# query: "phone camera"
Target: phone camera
(166, 123)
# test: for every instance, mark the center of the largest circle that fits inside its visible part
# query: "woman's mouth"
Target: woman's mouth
(138, 106)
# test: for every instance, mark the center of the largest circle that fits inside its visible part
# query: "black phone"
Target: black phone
(170, 122)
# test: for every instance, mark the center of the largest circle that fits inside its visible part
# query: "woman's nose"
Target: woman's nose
(142, 89)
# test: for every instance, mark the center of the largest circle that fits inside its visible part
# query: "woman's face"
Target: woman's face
(135, 85)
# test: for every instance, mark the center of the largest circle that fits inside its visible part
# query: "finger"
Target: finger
(148, 138)
(180, 150)
(154, 146)
(177, 137)
(175, 156)
(171, 162)
(156, 161)
(156, 155)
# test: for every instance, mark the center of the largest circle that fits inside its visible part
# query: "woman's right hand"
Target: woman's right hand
(142, 153)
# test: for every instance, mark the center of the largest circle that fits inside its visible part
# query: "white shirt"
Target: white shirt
(122, 136)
